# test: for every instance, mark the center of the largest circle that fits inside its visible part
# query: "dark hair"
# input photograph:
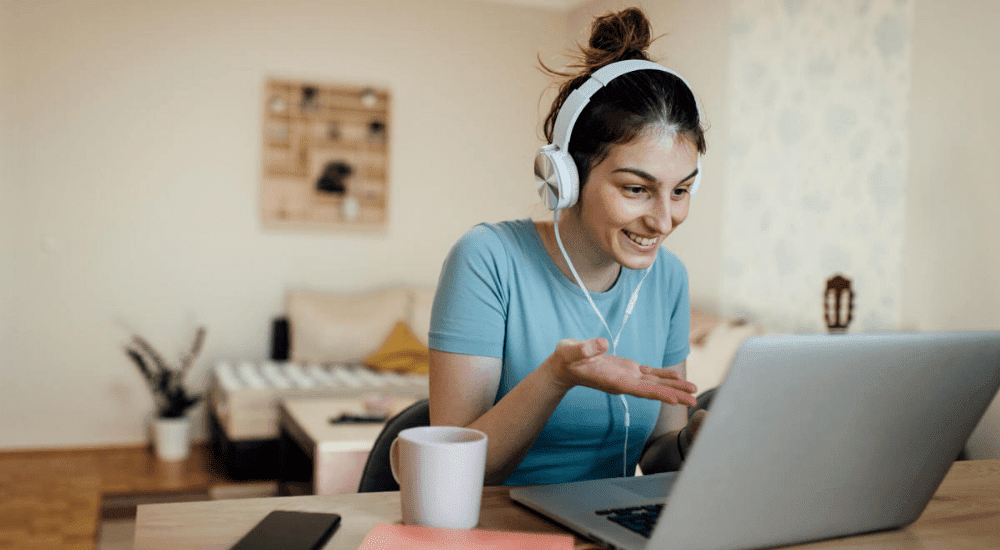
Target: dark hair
(619, 112)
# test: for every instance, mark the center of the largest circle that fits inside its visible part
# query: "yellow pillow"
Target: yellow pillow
(400, 352)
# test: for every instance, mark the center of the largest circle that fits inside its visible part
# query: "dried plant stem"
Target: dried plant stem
(166, 384)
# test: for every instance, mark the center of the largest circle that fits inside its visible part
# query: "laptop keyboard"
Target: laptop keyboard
(640, 519)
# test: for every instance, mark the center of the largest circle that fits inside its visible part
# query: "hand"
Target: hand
(694, 424)
(586, 363)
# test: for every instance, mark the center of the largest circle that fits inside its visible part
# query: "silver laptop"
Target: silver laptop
(809, 437)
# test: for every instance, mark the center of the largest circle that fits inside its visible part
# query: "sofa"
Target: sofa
(318, 338)
(322, 326)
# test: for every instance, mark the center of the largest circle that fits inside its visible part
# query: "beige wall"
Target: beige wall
(137, 202)
(7, 314)
(951, 261)
(953, 228)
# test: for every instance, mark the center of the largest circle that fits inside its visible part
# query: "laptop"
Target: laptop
(809, 437)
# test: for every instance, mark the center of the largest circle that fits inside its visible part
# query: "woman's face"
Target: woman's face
(637, 196)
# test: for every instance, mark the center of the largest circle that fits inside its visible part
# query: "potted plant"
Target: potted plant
(171, 426)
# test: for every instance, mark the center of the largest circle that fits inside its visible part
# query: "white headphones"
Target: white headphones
(556, 177)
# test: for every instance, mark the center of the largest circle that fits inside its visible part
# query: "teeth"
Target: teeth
(642, 241)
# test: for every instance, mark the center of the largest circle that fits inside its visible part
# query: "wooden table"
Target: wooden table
(964, 514)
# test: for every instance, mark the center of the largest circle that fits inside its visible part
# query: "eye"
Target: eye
(680, 192)
(634, 190)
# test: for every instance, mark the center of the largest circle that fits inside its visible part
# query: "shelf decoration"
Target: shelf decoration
(325, 157)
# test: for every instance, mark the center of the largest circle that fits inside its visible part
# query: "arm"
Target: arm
(463, 388)
(668, 443)
(671, 437)
(464, 380)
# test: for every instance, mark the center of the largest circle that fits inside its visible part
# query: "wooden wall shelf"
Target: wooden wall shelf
(325, 156)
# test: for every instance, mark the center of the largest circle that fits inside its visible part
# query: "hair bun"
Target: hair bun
(618, 36)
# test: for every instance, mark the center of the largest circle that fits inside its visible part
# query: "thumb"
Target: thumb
(573, 350)
(594, 347)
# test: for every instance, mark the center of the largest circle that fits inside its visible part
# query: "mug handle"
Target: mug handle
(393, 452)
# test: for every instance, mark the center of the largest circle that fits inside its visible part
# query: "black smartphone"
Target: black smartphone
(290, 530)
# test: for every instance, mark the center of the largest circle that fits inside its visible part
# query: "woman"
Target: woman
(521, 351)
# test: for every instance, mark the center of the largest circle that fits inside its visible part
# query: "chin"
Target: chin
(636, 258)
(637, 262)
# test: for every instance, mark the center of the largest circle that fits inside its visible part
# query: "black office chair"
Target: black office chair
(377, 475)
(704, 400)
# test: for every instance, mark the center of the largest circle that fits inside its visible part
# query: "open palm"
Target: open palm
(588, 364)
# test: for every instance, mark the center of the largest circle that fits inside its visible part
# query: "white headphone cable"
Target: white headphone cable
(614, 337)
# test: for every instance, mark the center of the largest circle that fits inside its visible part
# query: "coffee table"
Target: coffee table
(335, 453)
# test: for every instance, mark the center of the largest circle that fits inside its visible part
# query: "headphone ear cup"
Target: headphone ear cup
(569, 180)
(556, 178)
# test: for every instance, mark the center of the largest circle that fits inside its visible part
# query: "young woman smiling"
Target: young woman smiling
(565, 340)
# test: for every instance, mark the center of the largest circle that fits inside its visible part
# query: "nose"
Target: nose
(662, 217)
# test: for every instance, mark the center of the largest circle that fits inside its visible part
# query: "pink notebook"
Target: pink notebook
(415, 537)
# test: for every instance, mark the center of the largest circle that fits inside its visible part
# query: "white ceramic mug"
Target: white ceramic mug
(440, 473)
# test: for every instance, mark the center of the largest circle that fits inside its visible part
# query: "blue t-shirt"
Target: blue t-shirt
(501, 295)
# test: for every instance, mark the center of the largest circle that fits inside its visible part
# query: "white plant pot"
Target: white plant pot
(172, 438)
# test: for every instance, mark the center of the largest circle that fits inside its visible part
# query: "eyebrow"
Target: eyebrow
(649, 177)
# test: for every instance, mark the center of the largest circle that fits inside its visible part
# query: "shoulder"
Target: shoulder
(493, 239)
(670, 268)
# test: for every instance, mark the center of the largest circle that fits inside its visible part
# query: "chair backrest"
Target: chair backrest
(377, 475)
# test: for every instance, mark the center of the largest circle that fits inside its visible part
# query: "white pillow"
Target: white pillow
(330, 327)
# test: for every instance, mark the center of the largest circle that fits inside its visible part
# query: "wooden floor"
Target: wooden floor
(53, 499)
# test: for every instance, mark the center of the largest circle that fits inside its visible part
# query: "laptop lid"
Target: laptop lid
(809, 437)
(820, 436)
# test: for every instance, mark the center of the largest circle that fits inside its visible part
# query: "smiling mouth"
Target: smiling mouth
(640, 240)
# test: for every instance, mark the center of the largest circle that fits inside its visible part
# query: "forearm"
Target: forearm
(514, 422)
(463, 389)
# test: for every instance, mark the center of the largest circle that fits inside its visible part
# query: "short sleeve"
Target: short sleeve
(469, 314)
(678, 343)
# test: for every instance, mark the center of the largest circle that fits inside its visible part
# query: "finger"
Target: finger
(671, 376)
(687, 399)
(672, 396)
(567, 349)
(574, 350)
(660, 392)
(594, 347)
(680, 385)
(567, 342)
(662, 373)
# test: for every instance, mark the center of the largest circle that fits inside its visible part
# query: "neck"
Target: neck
(597, 272)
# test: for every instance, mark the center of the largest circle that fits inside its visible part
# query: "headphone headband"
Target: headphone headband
(556, 176)
(580, 97)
